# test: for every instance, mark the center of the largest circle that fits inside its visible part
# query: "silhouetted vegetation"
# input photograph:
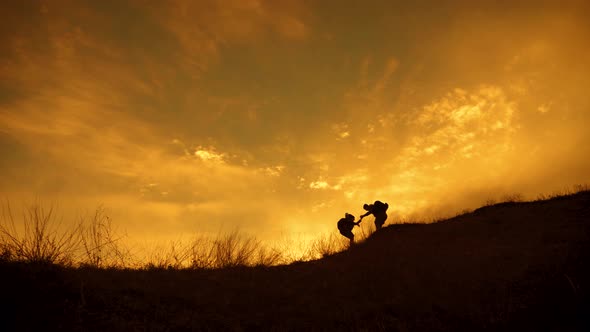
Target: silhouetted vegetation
(38, 237)
(509, 266)
(225, 250)
(100, 243)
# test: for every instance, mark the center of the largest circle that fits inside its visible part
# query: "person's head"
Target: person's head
(349, 216)
(366, 207)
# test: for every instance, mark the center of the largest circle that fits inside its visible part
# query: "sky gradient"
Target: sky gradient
(279, 116)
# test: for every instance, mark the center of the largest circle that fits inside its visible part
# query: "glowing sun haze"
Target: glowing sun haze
(279, 116)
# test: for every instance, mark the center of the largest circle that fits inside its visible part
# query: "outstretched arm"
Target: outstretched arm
(366, 214)
(361, 218)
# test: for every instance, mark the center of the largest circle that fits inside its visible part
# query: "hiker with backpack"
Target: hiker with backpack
(378, 210)
(345, 226)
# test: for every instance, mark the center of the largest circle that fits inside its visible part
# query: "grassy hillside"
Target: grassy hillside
(511, 266)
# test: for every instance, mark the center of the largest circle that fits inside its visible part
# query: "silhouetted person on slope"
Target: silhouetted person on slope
(345, 226)
(377, 209)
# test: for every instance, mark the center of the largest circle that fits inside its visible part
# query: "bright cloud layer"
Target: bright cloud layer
(278, 117)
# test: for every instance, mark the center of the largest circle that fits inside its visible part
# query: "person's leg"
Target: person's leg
(350, 236)
(380, 220)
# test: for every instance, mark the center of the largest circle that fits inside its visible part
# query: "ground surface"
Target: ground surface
(512, 266)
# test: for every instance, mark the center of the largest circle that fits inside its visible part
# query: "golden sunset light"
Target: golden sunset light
(277, 117)
(294, 165)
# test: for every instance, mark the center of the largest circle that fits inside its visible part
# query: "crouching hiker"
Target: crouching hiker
(377, 209)
(345, 226)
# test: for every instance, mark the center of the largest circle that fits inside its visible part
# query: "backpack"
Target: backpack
(344, 225)
(380, 207)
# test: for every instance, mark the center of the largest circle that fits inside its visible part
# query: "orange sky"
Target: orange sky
(279, 116)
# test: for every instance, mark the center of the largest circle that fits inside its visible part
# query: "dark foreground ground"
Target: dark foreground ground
(512, 266)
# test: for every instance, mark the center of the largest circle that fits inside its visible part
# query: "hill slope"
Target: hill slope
(516, 266)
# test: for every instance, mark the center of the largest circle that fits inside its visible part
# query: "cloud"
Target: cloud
(188, 115)
(202, 28)
(319, 185)
(92, 119)
(209, 155)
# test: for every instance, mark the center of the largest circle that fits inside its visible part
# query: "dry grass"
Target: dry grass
(235, 248)
(513, 198)
(100, 242)
(519, 198)
(39, 237)
(567, 191)
(326, 245)
(509, 267)
(223, 251)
